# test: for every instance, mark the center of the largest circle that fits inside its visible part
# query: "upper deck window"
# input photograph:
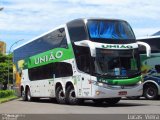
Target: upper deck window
(110, 29)
(77, 30)
(54, 39)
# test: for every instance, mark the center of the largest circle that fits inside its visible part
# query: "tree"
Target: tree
(5, 63)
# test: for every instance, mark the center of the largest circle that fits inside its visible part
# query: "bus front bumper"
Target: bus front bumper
(121, 91)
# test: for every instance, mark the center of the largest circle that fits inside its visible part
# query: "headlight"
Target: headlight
(140, 82)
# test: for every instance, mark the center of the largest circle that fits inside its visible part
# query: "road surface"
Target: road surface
(45, 106)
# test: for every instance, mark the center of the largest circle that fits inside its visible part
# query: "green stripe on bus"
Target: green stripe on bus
(121, 81)
(54, 55)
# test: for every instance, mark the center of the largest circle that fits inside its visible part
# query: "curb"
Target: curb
(8, 100)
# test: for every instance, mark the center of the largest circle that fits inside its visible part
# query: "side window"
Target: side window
(63, 69)
(54, 39)
(83, 58)
(41, 72)
(77, 30)
(83, 63)
(59, 69)
(50, 41)
(62, 38)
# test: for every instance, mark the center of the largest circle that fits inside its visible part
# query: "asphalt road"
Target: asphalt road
(45, 106)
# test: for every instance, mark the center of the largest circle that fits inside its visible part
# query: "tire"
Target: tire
(98, 101)
(24, 97)
(112, 101)
(60, 96)
(71, 96)
(150, 92)
(28, 95)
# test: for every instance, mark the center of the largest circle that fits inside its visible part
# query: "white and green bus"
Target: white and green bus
(84, 59)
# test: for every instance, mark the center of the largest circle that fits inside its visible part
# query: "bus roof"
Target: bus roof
(84, 19)
(148, 37)
(93, 19)
(38, 37)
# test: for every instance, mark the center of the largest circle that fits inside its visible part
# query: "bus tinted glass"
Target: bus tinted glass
(110, 29)
(49, 41)
(77, 30)
(125, 61)
(59, 69)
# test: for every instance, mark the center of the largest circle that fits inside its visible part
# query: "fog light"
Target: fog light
(97, 92)
(100, 84)
(140, 82)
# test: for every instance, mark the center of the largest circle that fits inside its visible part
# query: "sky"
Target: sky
(26, 19)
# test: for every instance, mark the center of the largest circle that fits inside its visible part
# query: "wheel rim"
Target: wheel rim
(23, 94)
(72, 95)
(61, 95)
(28, 95)
(150, 92)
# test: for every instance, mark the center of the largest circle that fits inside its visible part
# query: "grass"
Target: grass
(6, 99)
(6, 93)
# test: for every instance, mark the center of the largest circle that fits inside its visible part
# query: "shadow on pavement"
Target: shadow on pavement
(89, 103)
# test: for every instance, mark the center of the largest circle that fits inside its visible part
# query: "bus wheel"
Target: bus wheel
(60, 96)
(112, 101)
(24, 97)
(71, 96)
(28, 95)
(98, 101)
(150, 92)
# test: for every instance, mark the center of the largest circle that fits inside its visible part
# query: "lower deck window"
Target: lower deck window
(58, 69)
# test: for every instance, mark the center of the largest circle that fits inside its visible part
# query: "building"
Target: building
(2, 47)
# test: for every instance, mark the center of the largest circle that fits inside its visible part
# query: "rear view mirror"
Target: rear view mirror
(148, 48)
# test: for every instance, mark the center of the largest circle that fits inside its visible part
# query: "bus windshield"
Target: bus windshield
(110, 29)
(117, 63)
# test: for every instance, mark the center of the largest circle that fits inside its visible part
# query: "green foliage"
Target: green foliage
(6, 99)
(6, 93)
(5, 63)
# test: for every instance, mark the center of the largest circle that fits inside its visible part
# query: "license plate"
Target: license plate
(122, 93)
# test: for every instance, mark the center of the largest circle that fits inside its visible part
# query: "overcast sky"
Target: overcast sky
(26, 19)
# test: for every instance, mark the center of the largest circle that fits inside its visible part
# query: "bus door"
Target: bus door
(86, 86)
(84, 66)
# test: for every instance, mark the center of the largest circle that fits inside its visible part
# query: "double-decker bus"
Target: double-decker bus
(85, 59)
(150, 67)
